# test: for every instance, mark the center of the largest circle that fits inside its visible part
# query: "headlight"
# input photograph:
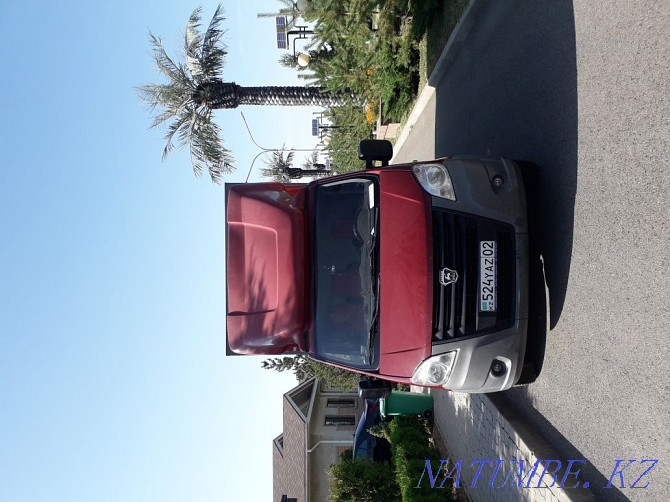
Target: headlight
(435, 179)
(434, 370)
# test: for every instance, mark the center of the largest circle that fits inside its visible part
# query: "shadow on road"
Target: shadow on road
(512, 91)
(519, 399)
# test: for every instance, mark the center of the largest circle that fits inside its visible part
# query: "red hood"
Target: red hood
(405, 274)
(266, 279)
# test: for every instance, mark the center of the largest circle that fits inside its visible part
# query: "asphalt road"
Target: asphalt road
(582, 89)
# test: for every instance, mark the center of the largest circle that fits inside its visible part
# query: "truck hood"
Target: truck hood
(406, 295)
(266, 280)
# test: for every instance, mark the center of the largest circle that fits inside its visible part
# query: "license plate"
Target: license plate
(487, 276)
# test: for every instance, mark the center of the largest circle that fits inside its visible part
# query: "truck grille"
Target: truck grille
(456, 246)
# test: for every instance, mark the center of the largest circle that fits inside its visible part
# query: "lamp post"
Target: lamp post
(301, 33)
(284, 37)
(321, 130)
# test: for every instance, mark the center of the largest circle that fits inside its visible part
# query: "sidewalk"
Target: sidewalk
(480, 427)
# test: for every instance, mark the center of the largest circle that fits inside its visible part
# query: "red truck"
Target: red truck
(413, 273)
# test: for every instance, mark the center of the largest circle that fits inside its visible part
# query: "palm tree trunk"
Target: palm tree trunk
(219, 94)
(290, 96)
(297, 172)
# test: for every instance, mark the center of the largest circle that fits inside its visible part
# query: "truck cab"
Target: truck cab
(414, 273)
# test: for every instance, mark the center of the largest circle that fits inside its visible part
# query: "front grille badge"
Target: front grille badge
(448, 276)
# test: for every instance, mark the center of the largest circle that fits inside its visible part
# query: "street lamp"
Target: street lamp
(302, 59)
(322, 130)
(301, 33)
(284, 37)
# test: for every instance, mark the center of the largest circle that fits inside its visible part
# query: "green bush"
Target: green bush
(351, 128)
(408, 470)
(408, 430)
(362, 480)
(411, 448)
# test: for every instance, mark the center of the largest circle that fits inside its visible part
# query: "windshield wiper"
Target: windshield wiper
(374, 273)
(371, 336)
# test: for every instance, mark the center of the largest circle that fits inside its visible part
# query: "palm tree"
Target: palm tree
(281, 168)
(194, 89)
(312, 167)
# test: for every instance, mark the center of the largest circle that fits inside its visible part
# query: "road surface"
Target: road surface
(581, 89)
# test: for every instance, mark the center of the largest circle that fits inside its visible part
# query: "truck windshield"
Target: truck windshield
(346, 275)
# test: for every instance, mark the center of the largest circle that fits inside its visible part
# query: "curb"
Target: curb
(449, 53)
(532, 445)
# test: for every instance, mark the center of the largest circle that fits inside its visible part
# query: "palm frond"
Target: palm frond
(171, 70)
(278, 161)
(162, 117)
(172, 98)
(150, 94)
(206, 147)
(213, 52)
(311, 160)
(192, 43)
(192, 37)
(279, 165)
(178, 126)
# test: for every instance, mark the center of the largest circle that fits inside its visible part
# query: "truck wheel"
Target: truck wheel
(537, 308)
(374, 389)
(528, 374)
(529, 173)
(428, 414)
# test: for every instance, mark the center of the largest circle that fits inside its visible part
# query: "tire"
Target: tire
(535, 341)
(529, 173)
(428, 414)
(529, 374)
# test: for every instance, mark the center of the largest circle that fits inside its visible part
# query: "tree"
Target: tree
(362, 480)
(194, 89)
(337, 378)
(281, 168)
(278, 166)
(303, 368)
(297, 364)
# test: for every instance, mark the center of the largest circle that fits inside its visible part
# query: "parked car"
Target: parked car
(414, 273)
(385, 406)
(365, 444)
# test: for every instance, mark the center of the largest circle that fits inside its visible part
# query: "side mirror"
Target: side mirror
(370, 150)
(373, 389)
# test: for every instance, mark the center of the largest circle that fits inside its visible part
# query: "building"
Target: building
(319, 423)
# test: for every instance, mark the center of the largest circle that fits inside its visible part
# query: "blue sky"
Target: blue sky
(113, 380)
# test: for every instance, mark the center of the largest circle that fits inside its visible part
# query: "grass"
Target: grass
(433, 42)
(410, 39)
(437, 35)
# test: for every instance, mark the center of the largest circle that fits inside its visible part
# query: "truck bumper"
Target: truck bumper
(477, 349)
